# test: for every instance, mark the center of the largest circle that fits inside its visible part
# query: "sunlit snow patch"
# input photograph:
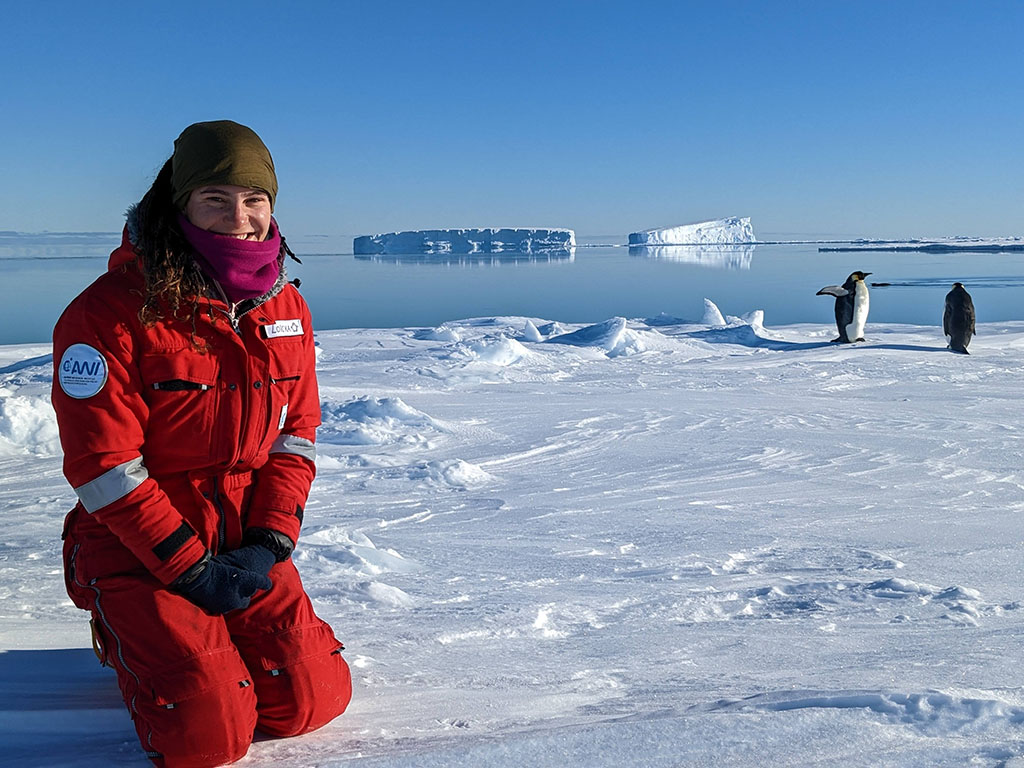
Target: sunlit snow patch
(492, 350)
(28, 425)
(343, 564)
(712, 315)
(537, 333)
(530, 332)
(374, 421)
(452, 472)
(441, 333)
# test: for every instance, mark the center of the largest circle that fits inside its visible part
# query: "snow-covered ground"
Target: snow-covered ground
(636, 543)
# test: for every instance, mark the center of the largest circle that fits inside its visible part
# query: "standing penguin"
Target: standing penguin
(958, 319)
(851, 306)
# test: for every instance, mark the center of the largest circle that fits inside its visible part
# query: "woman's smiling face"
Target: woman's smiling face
(226, 209)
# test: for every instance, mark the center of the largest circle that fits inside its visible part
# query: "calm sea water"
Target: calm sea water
(591, 285)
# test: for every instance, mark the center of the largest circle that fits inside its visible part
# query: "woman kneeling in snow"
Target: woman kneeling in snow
(187, 402)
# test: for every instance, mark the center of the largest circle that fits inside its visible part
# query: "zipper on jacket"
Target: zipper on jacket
(222, 533)
(235, 320)
(230, 312)
(103, 618)
(179, 385)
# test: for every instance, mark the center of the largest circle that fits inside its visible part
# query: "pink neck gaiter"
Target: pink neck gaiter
(245, 269)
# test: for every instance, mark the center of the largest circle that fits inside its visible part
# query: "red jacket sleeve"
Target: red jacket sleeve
(102, 417)
(283, 482)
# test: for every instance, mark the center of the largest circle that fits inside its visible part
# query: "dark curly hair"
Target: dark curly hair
(174, 282)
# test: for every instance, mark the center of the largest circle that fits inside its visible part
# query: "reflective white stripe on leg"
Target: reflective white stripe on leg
(298, 446)
(112, 485)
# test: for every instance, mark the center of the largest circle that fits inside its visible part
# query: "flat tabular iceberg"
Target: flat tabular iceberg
(488, 240)
(719, 231)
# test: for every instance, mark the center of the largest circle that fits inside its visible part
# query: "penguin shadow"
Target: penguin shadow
(745, 337)
(906, 347)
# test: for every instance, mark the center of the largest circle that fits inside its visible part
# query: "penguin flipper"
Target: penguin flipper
(833, 290)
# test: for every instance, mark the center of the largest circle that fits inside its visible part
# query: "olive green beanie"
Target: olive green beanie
(220, 152)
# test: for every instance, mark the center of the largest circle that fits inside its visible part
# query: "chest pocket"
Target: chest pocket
(286, 358)
(181, 389)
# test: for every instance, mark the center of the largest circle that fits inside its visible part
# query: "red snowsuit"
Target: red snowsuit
(176, 438)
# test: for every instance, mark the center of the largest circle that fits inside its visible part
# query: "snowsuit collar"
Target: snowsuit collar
(126, 254)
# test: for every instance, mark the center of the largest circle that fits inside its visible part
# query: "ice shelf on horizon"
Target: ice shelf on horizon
(487, 240)
(935, 245)
(718, 232)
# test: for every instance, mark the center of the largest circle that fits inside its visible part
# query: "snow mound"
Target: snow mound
(373, 421)
(712, 315)
(537, 333)
(933, 711)
(493, 350)
(383, 594)
(28, 425)
(455, 473)
(613, 337)
(719, 231)
(340, 565)
(441, 333)
(747, 330)
(754, 319)
(355, 549)
(488, 240)
(530, 332)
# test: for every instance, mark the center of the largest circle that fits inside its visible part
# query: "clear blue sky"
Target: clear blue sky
(891, 118)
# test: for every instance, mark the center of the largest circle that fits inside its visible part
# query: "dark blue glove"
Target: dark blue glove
(226, 581)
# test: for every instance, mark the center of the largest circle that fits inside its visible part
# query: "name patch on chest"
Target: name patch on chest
(283, 328)
(82, 371)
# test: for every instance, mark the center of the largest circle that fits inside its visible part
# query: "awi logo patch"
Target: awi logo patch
(82, 372)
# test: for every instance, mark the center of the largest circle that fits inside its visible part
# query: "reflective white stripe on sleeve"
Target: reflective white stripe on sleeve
(112, 485)
(299, 446)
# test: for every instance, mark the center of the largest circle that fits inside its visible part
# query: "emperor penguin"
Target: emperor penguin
(851, 306)
(958, 319)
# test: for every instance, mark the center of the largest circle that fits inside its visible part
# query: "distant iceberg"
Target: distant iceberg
(455, 241)
(717, 232)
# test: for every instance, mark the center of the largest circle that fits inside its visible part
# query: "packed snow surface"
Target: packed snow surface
(637, 542)
(441, 241)
(719, 231)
